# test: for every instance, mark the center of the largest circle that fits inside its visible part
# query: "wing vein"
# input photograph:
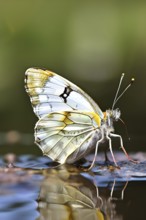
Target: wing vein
(78, 146)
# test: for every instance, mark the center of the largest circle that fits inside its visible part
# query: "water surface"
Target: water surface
(31, 188)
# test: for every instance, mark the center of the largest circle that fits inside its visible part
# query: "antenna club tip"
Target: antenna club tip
(123, 74)
(132, 80)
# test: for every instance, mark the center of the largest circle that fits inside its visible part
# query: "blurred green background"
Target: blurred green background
(89, 42)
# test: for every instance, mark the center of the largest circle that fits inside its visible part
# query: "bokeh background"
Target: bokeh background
(89, 42)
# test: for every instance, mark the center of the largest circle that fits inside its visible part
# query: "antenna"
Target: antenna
(126, 88)
(121, 79)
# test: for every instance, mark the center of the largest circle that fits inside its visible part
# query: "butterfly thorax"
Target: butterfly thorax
(109, 117)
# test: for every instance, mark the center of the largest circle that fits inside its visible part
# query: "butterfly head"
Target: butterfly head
(110, 116)
(115, 114)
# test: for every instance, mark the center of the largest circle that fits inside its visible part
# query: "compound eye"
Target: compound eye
(117, 114)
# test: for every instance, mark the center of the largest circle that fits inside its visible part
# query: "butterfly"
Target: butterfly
(70, 123)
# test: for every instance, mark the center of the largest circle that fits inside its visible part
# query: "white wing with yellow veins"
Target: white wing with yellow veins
(50, 92)
(69, 119)
(67, 136)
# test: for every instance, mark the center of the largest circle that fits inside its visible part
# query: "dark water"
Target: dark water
(30, 188)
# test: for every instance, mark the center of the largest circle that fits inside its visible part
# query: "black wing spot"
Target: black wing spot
(66, 93)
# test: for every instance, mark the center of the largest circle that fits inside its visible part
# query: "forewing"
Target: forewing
(60, 134)
(50, 92)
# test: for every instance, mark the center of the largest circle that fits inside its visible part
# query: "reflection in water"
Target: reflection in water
(110, 196)
(66, 194)
(37, 191)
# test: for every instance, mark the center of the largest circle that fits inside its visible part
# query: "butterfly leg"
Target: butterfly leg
(97, 193)
(95, 154)
(122, 147)
(112, 189)
(122, 192)
(111, 150)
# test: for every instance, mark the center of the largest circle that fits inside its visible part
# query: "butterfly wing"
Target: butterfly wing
(67, 136)
(50, 92)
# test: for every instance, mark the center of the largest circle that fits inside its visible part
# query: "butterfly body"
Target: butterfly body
(70, 123)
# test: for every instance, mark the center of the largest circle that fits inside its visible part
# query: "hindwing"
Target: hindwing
(60, 134)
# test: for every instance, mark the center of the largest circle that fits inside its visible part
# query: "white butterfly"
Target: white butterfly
(70, 123)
